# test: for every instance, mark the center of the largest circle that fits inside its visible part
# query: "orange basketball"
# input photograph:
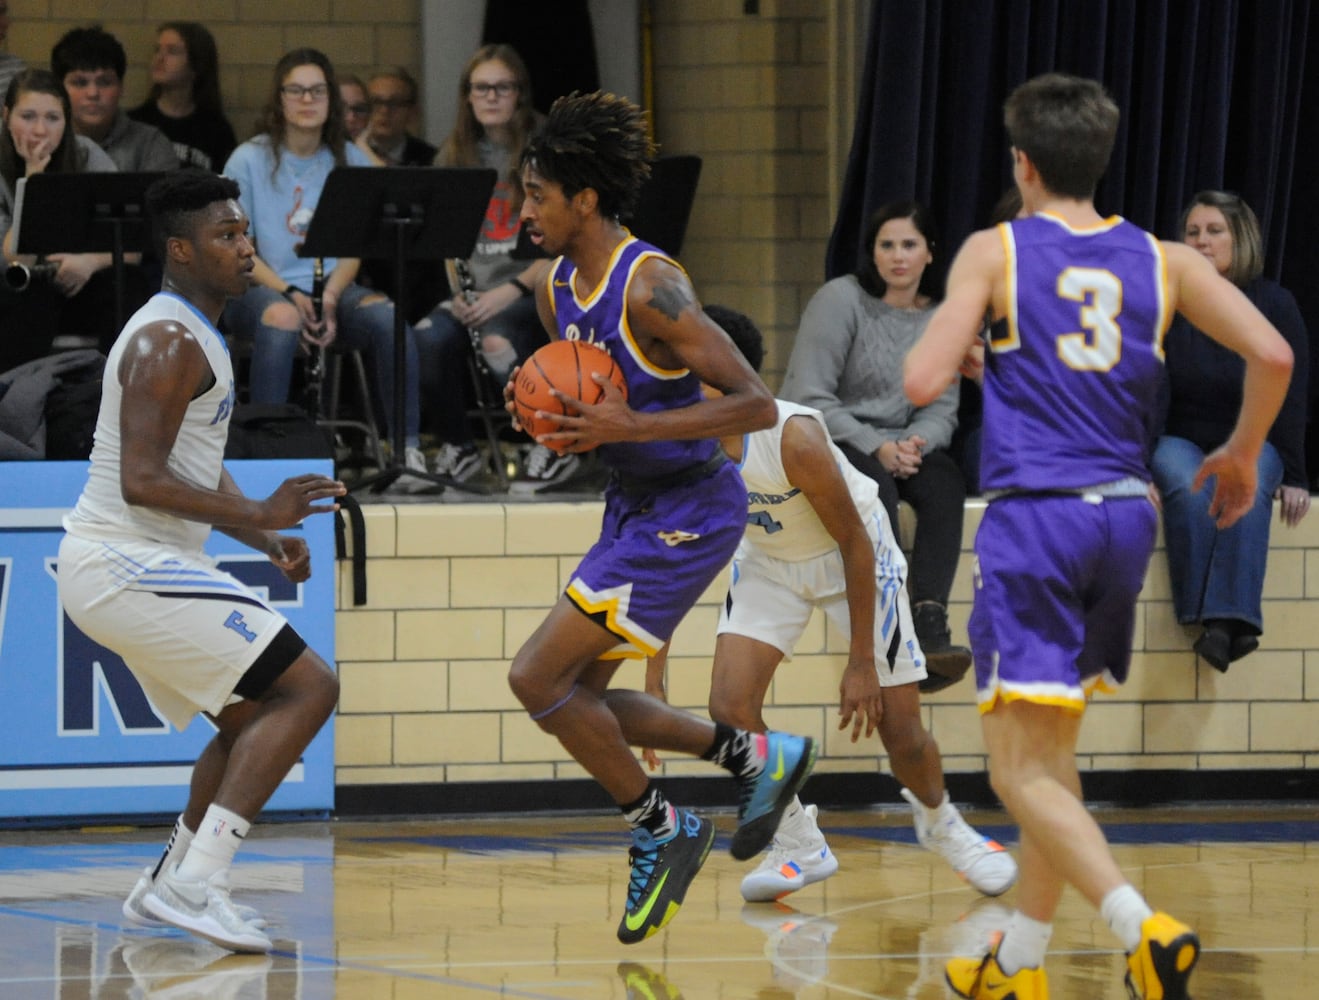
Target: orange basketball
(566, 365)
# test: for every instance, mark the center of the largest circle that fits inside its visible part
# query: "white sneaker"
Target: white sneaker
(205, 909)
(795, 859)
(456, 462)
(980, 861)
(544, 467)
(135, 912)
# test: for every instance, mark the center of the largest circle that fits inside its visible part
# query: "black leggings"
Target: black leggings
(938, 494)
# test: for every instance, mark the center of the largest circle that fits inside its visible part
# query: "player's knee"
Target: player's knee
(282, 316)
(374, 299)
(735, 712)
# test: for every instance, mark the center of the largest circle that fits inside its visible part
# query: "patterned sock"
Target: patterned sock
(180, 839)
(737, 751)
(1124, 910)
(214, 844)
(1024, 944)
(654, 812)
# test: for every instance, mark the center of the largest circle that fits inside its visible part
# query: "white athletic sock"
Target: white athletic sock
(180, 839)
(1124, 910)
(214, 844)
(793, 821)
(1024, 944)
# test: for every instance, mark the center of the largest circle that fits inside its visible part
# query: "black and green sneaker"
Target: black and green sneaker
(661, 873)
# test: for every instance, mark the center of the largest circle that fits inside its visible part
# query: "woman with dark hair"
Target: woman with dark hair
(495, 119)
(847, 363)
(77, 298)
(281, 173)
(184, 99)
(1218, 576)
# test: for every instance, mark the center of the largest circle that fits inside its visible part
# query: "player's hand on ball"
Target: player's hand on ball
(588, 425)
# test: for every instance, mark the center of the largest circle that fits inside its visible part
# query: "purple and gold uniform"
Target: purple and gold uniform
(1070, 387)
(674, 510)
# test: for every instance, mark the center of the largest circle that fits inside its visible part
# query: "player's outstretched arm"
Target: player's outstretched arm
(1219, 308)
(163, 368)
(950, 338)
(809, 464)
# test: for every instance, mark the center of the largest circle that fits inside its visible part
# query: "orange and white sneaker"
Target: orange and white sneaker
(982, 862)
(982, 979)
(1160, 968)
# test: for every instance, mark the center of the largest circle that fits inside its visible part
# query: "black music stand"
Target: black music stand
(86, 213)
(400, 213)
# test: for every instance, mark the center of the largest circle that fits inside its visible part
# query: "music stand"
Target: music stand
(86, 213)
(400, 213)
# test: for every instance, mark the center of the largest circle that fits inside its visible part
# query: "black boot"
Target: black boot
(945, 663)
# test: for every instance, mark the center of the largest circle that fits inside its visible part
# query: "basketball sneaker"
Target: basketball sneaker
(982, 979)
(205, 909)
(1160, 967)
(544, 467)
(788, 762)
(798, 855)
(136, 913)
(982, 862)
(661, 873)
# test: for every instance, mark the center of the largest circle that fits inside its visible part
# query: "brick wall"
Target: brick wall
(455, 589)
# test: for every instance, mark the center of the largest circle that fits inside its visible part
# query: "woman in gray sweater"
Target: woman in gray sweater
(847, 363)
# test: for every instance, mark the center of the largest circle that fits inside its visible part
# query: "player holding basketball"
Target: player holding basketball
(1065, 541)
(674, 508)
(818, 536)
(133, 576)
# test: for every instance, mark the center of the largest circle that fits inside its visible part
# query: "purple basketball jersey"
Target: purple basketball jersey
(1072, 376)
(599, 316)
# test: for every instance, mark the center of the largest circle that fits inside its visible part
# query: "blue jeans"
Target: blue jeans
(366, 328)
(1215, 574)
(442, 349)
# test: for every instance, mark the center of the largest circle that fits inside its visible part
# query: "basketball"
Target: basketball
(566, 365)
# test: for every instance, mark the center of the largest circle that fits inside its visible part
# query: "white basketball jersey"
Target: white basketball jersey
(198, 454)
(780, 520)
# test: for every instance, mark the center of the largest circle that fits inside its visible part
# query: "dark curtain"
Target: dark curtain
(1211, 93)
(554, 40)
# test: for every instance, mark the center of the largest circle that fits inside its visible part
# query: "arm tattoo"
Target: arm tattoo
(671, 298)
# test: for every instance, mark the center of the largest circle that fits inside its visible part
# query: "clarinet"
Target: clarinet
(314, 373)
(467, 288)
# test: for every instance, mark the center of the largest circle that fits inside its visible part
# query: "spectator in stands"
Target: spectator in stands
(10, 64)
(392, 94)
(356, 105)
(1218, 576)
(494, 120)
(78, 298)
(281, 173)
(90, 63)
(847, 363)
(184, 100)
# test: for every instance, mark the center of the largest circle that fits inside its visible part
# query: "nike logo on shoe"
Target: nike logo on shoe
(635, 920)
(778, 772)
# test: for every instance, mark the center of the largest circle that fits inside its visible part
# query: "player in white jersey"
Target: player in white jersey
(817, 536)
(133, 576)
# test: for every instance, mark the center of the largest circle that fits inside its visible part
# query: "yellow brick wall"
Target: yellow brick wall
(455, 589)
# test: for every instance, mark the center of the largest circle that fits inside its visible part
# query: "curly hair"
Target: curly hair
(174, 201)
(598, 141)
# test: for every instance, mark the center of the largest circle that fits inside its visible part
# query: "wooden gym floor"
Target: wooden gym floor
(527, 906)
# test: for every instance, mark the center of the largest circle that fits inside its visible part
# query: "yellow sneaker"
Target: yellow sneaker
(1161, 967)
(982, 979)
